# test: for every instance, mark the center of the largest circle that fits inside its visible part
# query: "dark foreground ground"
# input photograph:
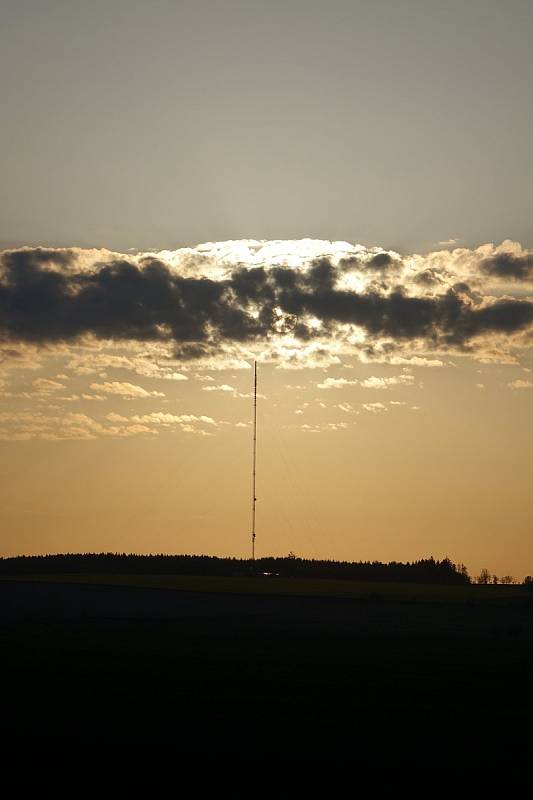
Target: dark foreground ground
(254, 676)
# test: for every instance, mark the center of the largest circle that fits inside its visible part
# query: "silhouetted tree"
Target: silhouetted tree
(507, 579)
(483, 577)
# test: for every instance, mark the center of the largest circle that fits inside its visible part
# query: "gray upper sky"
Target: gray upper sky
(397, 122)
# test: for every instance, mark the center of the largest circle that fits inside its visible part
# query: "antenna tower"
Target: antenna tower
(254, 498)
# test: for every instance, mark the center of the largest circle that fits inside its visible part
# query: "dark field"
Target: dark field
(394, 672)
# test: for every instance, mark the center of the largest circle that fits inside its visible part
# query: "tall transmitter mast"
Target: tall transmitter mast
(254, 450)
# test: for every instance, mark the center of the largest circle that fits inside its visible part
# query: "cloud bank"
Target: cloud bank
(308, 295)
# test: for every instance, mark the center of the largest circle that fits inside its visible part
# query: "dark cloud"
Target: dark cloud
(44, 298)
(37, 257)
(118, 300)
(380, 261)
(190, 351)
(321, 275)
(428, 278)
(349, 263)
(507, 265)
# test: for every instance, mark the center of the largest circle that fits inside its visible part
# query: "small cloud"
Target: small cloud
(112, 417)
(383, 383)
(520, 384)
(336, 383)
(416, 361)
(374, 383)
(161, 418)
(347, 408)
(126, 390)
(134, 429)
(224, 387)
(375, 408)
(330, 426)
(188, 423)
(174, 376)
(45, 386)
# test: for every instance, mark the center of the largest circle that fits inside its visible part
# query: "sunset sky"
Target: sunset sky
(342, 191)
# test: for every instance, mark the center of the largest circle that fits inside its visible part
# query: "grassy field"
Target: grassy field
(244, 665)
(299, 587)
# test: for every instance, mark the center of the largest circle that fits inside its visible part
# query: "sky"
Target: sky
(340, 190)
(170, 123)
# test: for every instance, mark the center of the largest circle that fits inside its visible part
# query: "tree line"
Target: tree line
(485, 577)
(427, 570)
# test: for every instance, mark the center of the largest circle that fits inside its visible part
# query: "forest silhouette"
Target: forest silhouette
(427, 570)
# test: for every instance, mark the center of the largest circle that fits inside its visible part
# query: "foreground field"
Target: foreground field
(257, 668)
(299, 587)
